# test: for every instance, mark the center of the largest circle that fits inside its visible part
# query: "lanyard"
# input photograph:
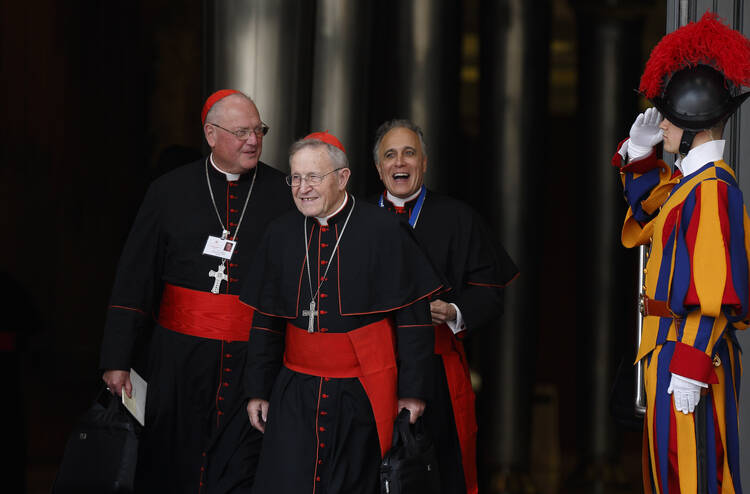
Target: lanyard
(414, 216)
(224, 231)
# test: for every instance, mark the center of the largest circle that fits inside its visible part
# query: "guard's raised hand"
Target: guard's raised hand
(645, 133)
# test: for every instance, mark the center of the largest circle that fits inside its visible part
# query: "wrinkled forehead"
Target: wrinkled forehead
(313, 159)
(399, 138)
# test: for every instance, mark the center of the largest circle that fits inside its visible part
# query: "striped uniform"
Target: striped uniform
(697, 227)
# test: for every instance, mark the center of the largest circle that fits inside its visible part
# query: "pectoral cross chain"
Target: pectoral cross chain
(311, 315)
(312, 312)
(219, 277)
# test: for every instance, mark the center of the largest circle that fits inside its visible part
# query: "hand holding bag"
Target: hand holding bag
(101, 453)
(410, 466)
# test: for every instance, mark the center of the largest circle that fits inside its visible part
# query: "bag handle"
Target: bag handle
(113, 405)
(403, 432)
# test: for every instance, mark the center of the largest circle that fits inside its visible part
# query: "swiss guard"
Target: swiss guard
(696, 277)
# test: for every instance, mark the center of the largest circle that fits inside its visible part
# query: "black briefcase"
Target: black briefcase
(101, 452)
(410, 466)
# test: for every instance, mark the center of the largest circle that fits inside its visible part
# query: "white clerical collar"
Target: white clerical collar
(231, 177)
(700, 155)
(398, 202)
(324, 221)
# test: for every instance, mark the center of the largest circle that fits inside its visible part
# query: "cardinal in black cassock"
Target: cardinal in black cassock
(196, 436)
(475, 268)
(335, 287)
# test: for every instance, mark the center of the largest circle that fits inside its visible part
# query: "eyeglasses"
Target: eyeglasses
(311, 178)
(259, 131)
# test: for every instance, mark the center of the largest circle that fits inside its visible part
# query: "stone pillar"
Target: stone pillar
(513, 95)
(264, 48)
(609, 54)
(341, 81)
(416, 74)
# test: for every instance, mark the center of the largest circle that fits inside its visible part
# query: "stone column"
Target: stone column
(341, 81)
(416, 74)
(264, 48)
(513, 79)
(609, 54)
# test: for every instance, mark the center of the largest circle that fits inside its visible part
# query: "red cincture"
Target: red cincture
(462, 396)
(367, 353)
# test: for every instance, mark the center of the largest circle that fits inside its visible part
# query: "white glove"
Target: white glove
(645, 133)
(686, 392)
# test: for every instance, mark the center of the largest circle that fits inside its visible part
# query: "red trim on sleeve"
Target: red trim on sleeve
(486, 285)
(265, 329)
(642, 165)
(493, 285)
(617, 157)
(692, 363)
(426, 295)
(126, 308)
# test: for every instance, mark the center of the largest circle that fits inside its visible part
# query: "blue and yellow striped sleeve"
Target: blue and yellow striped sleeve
(646, 183)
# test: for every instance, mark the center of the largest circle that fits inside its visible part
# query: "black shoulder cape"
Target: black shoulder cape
(381, 266)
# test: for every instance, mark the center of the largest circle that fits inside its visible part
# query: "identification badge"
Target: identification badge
(219, 247)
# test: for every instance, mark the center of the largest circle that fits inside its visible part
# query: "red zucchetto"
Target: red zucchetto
(213, 99)
(327, 138)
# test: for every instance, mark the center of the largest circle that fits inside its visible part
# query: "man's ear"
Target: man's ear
(424, 164)
(343, 177)
(210, 133)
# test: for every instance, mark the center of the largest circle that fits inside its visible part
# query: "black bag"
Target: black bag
(101, 452)
(410, 466)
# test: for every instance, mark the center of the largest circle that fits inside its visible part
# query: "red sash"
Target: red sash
(457, 373)
(367, 353)
(204, 314)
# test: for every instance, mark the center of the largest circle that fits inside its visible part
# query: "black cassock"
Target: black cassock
(476, 268)
(197, 434)
(321, 435)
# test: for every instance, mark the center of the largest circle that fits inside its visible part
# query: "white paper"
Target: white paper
(136, 404)
(219, 247)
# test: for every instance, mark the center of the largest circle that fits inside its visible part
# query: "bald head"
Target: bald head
(230, 115)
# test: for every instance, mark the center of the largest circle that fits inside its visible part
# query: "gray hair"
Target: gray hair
(338, 157)
(219, 105)
(396, 123)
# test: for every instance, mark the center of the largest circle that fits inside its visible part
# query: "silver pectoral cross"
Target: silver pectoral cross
(219, 275)
(311, 314)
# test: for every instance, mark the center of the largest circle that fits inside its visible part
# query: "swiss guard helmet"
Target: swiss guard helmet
(695, 74)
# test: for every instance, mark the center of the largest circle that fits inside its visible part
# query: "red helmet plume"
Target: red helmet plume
(707, 42)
